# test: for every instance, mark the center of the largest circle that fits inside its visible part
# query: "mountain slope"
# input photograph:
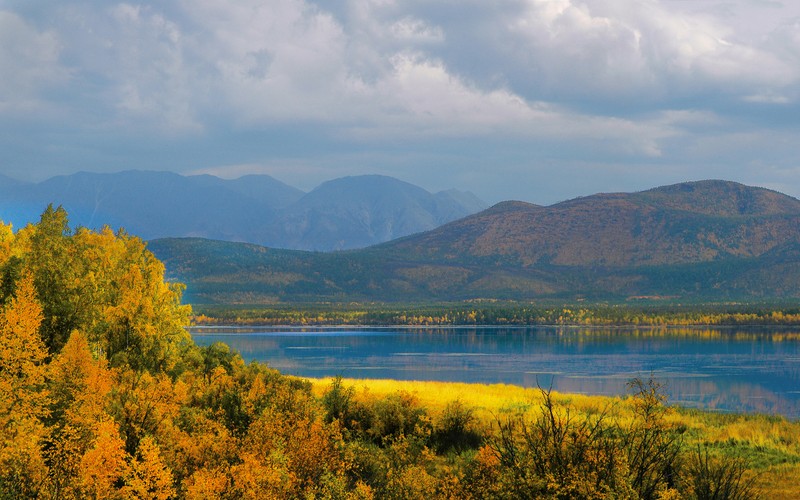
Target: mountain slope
(150, 204)
(354, 212)
(710, 240)
(686, 223)
(346, 213)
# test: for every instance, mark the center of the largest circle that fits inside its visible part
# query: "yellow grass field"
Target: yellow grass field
(770, 444)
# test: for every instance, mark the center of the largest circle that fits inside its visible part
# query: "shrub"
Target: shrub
(455, 429)
(651, 444)
(715, 478)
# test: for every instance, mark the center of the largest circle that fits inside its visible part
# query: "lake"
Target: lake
(742, 370)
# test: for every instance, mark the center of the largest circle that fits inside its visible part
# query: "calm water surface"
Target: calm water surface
(751, 370)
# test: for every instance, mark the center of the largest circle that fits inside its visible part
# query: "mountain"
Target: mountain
(345, 213)
(8, 182)
(686, 223)
(354, 212)
(708, 240)
(152, 204)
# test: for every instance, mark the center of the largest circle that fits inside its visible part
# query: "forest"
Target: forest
(503, 313)
(104, 395)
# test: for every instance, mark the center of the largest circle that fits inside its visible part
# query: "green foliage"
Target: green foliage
(456, 429)
(713, 478)
(338, 402)
(396, 416)
(54, 268)
(503, 313)
(562, 455)
(104, 284)
(652, 446)
(559, 455)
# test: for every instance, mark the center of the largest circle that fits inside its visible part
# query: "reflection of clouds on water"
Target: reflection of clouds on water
(751, 370)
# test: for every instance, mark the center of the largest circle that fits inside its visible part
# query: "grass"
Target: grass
(771, 445)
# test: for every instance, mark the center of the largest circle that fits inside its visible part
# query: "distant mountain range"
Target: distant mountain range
(345, 213)
(709, 240)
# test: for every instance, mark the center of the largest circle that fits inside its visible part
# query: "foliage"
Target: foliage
(652, 446)
(456, 429)
(559, 455)
(503, 313)
(713, 478)
(104, 284)
(103, 395)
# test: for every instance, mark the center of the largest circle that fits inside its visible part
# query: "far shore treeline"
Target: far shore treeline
(499, 314)
(104, 395)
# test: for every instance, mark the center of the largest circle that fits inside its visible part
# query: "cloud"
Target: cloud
(254, 62)
(300, 82)
(29, 63)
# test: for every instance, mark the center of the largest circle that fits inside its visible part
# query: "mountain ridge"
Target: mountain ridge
(255, 208)
(709, 240)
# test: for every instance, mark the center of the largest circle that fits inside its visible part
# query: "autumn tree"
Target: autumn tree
(79, 385)
(23, 395)
(105, 284)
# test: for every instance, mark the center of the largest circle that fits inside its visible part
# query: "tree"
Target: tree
(105, 284)
(149, 477)
(50, 259)
(104, 466)
(651, 444)
(79, 386)
(23, 395)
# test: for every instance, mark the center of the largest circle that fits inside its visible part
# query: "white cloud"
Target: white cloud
(268, 61)
(640, 51)
(410, 29)
(29, 64)
(151, 78)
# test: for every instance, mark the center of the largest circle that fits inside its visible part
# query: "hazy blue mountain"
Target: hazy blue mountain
(266, 188)
(353, 212)
(6, 182)
(152, 204)
(344, 213)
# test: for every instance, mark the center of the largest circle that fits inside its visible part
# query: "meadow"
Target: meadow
(768, 445)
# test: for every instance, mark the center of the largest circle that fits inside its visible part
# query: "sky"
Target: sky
(535, 100)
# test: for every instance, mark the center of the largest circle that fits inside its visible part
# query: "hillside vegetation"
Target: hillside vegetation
(105, 396)
(701, 241)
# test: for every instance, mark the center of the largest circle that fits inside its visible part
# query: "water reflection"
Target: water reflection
(751, 370)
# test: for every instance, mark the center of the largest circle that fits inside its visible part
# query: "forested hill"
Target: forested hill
(709, 240)
(350, 212)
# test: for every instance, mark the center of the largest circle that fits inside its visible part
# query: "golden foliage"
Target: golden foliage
(104, 466)
(103, 396)
(149, 477)
(23, 395)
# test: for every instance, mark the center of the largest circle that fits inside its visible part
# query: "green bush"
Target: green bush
(455, 430)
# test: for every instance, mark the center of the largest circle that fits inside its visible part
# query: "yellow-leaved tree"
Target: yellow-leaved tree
(80, 386)
(105, 284)
(23, 394)
(84, 312)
